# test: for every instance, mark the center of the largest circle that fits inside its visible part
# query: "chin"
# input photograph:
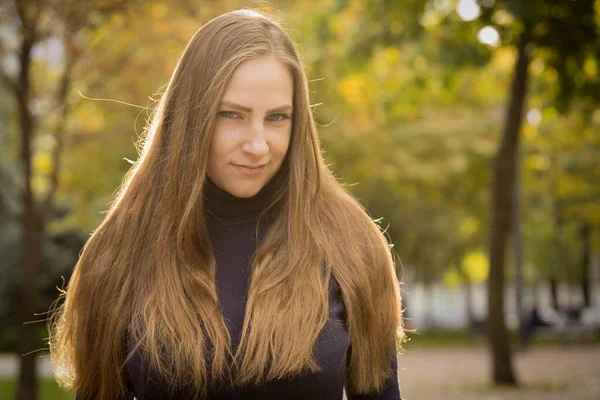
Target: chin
(246, 192)
(245, 195)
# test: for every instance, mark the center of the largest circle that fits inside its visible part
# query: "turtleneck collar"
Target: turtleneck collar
(222, 204)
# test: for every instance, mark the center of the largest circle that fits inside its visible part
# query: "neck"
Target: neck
(222, 204)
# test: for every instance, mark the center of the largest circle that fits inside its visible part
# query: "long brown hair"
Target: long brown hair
(148, 270)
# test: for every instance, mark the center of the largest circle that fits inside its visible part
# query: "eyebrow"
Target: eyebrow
(285, 107)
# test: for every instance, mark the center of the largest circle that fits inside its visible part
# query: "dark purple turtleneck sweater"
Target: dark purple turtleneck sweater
(231, 223)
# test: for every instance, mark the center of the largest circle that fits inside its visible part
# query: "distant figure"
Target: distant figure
(232, 264)
(534, 322)
(573, 315)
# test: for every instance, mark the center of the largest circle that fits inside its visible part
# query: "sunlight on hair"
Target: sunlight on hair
(250, 13)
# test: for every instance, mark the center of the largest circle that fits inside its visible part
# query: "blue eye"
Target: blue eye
(229, 114)
(277, 117)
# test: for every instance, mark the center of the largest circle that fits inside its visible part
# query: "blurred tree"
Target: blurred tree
(542, 24)
(504, 172)
(406, 137)
(561, 174)
(35, 24)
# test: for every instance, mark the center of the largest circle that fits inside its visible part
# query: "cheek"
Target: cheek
(280, 144)
(223, 142)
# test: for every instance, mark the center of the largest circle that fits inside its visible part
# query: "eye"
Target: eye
(277, 117)
(229, 114)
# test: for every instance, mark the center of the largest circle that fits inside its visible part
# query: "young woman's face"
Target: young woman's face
(253, 127)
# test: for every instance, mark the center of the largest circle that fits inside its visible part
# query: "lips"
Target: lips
(249, 169)
(250, 166)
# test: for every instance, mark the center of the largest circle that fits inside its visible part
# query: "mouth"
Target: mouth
(249, 169)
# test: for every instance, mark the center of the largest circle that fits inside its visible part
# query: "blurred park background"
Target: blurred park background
(471, 128)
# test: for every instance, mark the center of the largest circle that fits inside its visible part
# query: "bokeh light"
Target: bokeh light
(489, 35)
(468, 10)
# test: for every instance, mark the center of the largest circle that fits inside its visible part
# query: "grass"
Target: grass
(443, 338)
(49, 390)
(455, 338)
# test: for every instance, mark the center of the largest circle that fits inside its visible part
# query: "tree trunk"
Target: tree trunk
(518, 249)
(501, 217)
(34, 215)
(31, 236)
(585, 265)
(32, 261)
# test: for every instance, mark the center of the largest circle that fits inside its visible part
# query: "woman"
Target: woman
(232, 264)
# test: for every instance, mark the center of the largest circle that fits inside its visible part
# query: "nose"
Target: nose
(256, 143)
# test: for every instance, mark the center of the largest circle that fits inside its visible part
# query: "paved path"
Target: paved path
(547, 372)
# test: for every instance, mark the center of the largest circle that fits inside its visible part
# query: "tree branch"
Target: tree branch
(59, 132)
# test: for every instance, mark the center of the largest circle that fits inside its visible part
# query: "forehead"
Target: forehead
(261, 80)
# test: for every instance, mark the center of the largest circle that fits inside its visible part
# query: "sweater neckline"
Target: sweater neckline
(223, 205)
